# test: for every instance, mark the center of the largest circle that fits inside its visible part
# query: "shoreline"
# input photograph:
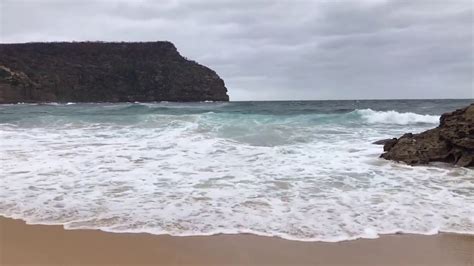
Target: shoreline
(243, 232)
(52, 244)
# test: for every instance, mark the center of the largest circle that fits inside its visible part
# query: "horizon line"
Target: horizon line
(360, 99)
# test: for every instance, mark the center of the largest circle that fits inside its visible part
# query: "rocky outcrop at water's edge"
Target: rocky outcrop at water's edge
(451, 142)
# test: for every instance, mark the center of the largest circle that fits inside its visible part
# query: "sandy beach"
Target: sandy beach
(22, 244)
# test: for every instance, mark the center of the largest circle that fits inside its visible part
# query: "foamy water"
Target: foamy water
(297, 171)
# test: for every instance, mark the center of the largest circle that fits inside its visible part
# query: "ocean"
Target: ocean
(299, 170)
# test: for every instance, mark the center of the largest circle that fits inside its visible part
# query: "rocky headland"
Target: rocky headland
(451, 142)
(104, 72)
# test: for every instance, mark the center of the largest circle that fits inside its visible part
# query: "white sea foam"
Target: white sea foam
(393, 117)
(202, 174)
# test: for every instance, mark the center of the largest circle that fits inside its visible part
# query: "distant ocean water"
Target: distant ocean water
(298, 170)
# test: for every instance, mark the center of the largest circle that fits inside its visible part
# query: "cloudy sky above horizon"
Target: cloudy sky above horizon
(281, 50)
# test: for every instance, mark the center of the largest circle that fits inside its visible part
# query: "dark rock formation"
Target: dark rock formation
(452, 142)
(384, 141)
(103, 72)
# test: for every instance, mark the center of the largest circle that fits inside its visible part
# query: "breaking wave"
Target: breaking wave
(393, 117)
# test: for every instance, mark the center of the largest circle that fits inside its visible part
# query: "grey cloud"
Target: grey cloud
(298, 49)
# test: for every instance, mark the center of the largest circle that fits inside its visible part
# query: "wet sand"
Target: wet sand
(22, 244)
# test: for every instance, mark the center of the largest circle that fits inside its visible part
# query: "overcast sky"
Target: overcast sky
(287, 49)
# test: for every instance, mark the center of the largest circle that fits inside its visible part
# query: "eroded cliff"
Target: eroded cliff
(104, 72)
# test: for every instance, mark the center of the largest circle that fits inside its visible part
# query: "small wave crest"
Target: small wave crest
(394, 117)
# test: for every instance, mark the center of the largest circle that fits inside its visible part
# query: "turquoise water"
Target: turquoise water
(298, 170)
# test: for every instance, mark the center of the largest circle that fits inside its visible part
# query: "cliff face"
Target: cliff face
(103, 72)
(452, 142)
